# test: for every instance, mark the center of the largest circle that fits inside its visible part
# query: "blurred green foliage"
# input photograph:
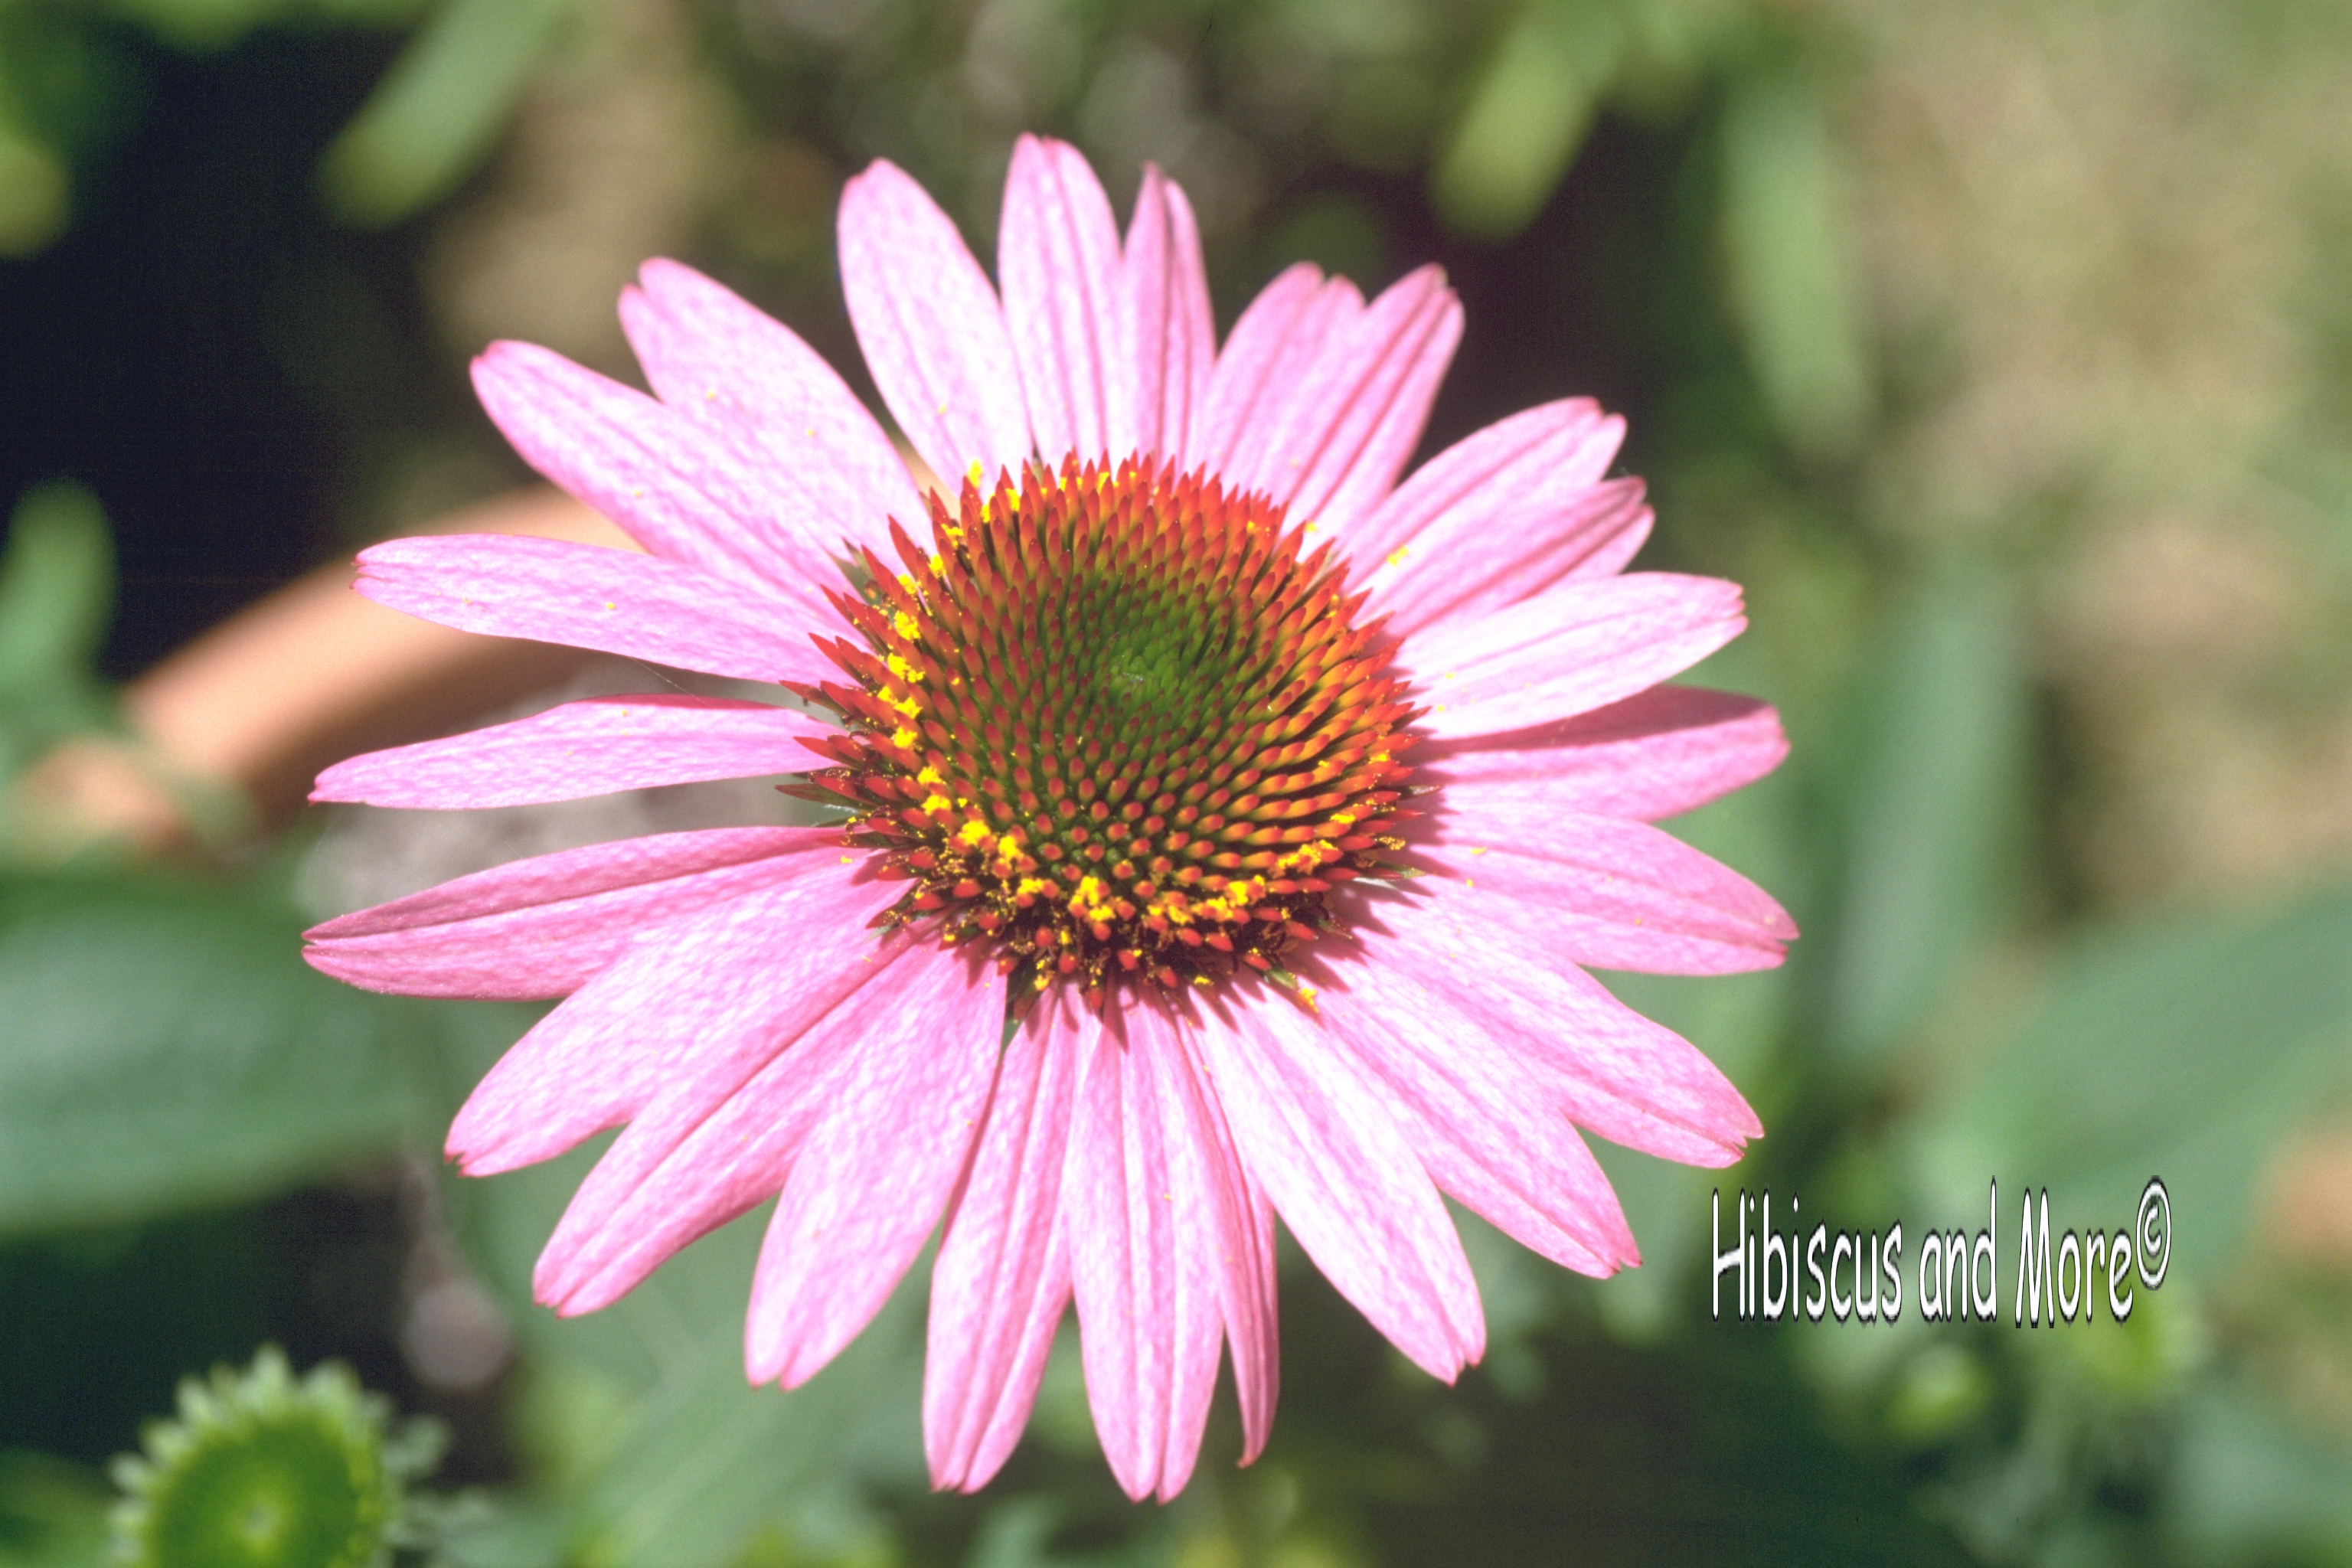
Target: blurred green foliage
(439, 109)
(64, 93)
(56, 592)
(1999, 350)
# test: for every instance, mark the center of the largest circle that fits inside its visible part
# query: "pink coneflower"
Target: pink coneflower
(1224, 825)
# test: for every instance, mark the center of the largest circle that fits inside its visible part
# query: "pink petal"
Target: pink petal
(717, 1153)
(1547, 455)
(1147, 1315)
(719, 359)
(592, 747)
(932, 329)
(588, 596)
(1175, 334)
(691, 1008)
(1313, 1129)
(1581, 537)
(735, 1160)
(1057, 258)
(1478, 1120)
(1349, 426)
(1250, 1323)
(1226, 1216)
(676, 488)
(545, 927)
(1630, 1080)
(1269, 349)
(868, 1187)
(1569, 649)
(1611, 893)
(1668, 750)
(1164, 1252)
(1003, 1276)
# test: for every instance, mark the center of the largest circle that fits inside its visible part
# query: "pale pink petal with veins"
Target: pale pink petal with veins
(1175, 336)
(1002, 1279)
(1572, 648)
(1308, 1119)
(551, 590)
(1657, 753)
(736, 368)
(542, 927)
(931, 326)
(869, 1184)
(1066, 305)
(594, 746)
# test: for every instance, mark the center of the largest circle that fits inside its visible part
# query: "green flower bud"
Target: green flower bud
(264, 1471)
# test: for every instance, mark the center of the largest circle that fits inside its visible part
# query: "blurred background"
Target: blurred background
(2002, 350)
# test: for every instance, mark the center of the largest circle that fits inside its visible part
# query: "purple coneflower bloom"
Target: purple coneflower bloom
(1223, 825)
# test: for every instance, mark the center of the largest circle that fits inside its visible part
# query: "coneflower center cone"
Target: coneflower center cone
(1119, 725)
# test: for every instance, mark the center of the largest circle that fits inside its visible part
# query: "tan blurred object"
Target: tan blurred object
(613, 156)
(89, 789)
(2310, 1210)
(2105, 258)
(257, 705)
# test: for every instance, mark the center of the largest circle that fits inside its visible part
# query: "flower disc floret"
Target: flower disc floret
(1119, 723)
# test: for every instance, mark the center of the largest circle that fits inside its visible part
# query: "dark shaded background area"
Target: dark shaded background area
(148, 347)
(213, 355)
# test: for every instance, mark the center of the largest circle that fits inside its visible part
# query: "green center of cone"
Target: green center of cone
(289, 1489)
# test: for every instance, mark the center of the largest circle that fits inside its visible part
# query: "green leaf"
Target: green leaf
(438, 111)
(1790, 262)
(1526, 116)
(57, 586)
(52, 1514)
(2248, 1487)
(36, 195)
(2178, 1050)
(1935, 793)
(199, 26)
(164, 1048)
